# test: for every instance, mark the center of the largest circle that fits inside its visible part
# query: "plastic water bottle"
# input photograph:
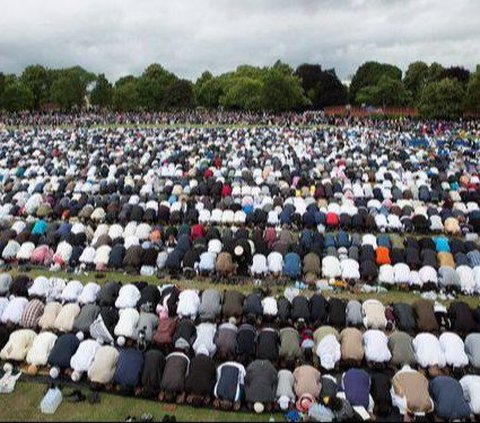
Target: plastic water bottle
(51, 401)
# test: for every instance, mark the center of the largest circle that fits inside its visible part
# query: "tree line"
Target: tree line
(436, 91)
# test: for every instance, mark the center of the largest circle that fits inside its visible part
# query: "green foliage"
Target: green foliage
(282, 91)
(322, 87)
(242, 93)
(126, 96)
(102, 92)
(179, 94)
(69, 87)
(442, 99)
(38, 79)
(416, 77)
(386, 92)
(17, 96)
(208, 90)
(472, 100)
(369, 74)
(152, 86)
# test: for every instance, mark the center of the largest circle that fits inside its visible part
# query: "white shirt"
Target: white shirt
(3, 305)
(331, 267)
(453, 349)
(14, 310)
(215, 246)
(25, 251)
(89, 293)
(428, 351)
(84, 356)
(386, 274)
(188, 304)
(275, 262)
(127, 322)
(376, 346)
(350, 269)
(40, 288)
(205, 338)
(428, 274)
(259, 264)
(270, 307)
(402, 273)
(88, 255)
(128, 297)
(72, 291)
(467, 278)
(471, 392)
(102, 254)
(329, 351)
(204, 216)
(216, 216)
(207, 261)
(41, 347)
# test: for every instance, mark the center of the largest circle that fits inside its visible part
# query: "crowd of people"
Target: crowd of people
(324, 357)
(393, 203)
(353, 205)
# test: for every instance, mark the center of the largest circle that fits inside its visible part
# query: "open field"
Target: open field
(23, 405)
(246, 286)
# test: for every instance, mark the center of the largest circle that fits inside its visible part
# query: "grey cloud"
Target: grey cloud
(187, 36)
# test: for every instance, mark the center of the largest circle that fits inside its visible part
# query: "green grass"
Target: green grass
(24, 405)
(393, 295)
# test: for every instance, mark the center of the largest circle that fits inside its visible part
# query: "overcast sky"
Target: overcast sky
(119, 37)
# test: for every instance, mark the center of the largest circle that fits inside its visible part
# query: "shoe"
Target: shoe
(146, 417)
(76, 396)
(94, 398)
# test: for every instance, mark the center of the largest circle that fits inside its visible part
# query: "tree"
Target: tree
(17, 96)
(387, 92)
(69, 87)
(3, 83)
(456, 72)
(472, 99)
(369, 74)
(416, 77)
(322, 87)
(242, 93)
(152, 86)
(435, 72)
(38, 79)
(102, 92)
(442, 99)
(179, 94)
(209, 93)
(282, 92)
(126, 96)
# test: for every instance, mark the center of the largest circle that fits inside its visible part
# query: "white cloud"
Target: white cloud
(187, 36)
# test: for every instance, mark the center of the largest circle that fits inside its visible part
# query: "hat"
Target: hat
(80, 336)
(283, 402)
(76, 376)
(54, 372)
(121, 341)
(238, 250)
(305, 402)
(258, 407)
(182, 344)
